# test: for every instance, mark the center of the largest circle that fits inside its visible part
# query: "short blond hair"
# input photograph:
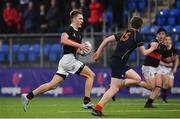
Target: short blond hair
(74, 13)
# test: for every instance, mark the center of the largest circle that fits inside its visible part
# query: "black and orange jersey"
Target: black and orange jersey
(126, 43)
(75, 36)
(153, 59)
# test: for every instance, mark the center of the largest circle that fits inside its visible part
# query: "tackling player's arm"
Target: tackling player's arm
(66, 41)
(153, 47)
(166, 64)
(107, 40)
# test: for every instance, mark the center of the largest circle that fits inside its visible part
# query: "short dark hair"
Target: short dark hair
(136, 22)
(167, 35)
(161, 30)
(74, 13)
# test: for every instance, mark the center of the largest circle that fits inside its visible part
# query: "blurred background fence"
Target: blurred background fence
(45, 50)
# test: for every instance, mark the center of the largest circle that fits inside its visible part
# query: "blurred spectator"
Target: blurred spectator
(85, 10)
(106, 3)
(1, 18)
(95, 19)
(41, 20)
(29, 19)
(23, 2)
(108, 19)
(74, 5)
(61, 18)
(11, 18)
(96, 15)
(118, 7)
(52, 17)
(70, 5)
(23, 5)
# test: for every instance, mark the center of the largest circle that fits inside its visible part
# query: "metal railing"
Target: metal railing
(43, 39)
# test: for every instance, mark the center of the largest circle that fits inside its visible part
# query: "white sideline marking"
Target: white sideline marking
(110, 104)
(90, 118)
(72, 111)
(139, 104)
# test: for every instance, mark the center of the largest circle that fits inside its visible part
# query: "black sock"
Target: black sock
(30, 95)
(87, 100)
(114, 98)
(149, 101)
(164, 93)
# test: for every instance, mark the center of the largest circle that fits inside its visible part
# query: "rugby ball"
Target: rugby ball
(84, 53)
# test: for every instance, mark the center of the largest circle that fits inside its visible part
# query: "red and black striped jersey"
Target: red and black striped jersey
(153, 59)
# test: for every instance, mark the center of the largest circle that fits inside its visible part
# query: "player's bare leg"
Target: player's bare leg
(48, 86)
(167, 83)
(170, 83)
(156, 87)
(41, 89)
(135, 79)
(116, 84)
(132, 78)
(145, 85)
(86, 72)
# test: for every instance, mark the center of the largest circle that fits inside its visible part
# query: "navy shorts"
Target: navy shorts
(119, 69)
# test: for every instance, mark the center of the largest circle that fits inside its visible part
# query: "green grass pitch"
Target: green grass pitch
(72, 108)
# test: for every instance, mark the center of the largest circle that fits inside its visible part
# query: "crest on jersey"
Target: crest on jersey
(74, 35)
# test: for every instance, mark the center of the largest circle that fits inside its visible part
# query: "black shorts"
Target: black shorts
(119, 69)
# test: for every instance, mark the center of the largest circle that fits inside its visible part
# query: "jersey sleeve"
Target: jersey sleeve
(117, 36)
(140, 41)
(67, 30)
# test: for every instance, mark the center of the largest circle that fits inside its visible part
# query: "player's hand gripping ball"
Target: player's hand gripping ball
(84, 53)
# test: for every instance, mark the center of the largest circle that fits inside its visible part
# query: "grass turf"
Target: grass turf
(72, 108)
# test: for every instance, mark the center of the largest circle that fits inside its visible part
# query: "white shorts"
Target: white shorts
(69, 64)
(166, 71)
(149, 72)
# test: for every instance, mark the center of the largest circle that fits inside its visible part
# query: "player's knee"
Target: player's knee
(152, 87)
(114, 89)
(165, 86)
(170, 86)
(52, 86)
(171, 83)
(138, 79)
(91, 75)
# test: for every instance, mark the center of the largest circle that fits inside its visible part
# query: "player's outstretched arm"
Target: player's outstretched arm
(107, 40)
(153, 47)
(66, 41)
